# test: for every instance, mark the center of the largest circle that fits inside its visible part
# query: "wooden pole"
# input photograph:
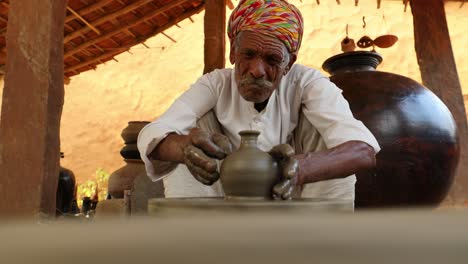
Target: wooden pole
(31, 110)
(215, 31)
(439, 73)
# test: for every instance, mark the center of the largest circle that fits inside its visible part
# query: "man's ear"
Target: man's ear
(232, 55)
(292, 60)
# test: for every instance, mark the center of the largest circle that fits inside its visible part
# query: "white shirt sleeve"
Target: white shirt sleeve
(179, 118)
(326, 108)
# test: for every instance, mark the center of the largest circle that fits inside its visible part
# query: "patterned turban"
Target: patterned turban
(276, 18)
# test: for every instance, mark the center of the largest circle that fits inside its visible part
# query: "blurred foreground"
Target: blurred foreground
(393, 236)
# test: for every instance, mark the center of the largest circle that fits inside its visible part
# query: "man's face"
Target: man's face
(261, 61)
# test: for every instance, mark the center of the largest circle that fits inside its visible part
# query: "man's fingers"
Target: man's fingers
(284, 155)
(290, 168)
(223, 142)
(202, 167)
(200, 174)
(203, 140)
(203, 180)
(288, 194)
(281, 188)
(282, 151)
(198, 158)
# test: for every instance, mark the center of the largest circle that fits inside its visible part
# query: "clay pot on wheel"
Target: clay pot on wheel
(414, 128)
(249, 172)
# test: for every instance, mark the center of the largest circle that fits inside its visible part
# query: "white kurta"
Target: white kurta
(302, 89)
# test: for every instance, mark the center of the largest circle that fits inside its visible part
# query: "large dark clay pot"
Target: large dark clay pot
(249, 172)
(414, 128)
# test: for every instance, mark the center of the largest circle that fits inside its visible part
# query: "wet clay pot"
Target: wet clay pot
(414, 128)
(249, 172)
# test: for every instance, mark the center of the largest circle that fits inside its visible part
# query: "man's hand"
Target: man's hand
(201, 152)
(289, 165)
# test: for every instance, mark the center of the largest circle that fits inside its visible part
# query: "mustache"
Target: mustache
(261, 82)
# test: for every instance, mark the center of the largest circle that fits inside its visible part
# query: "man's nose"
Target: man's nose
(256, 68)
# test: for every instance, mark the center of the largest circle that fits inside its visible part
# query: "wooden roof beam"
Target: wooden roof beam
(125, 27)
(86, 10)
(120, 12)
(137, 41)
(229, 4)
(82, 19)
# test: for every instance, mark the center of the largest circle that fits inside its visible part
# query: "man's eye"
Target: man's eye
(274, 61)
(248, 54)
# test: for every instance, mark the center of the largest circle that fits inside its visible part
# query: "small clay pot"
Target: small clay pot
(130, 151)
(122, 179)
(130, 133)
(249, 172)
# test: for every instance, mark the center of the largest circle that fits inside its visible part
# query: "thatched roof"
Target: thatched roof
(98, 30)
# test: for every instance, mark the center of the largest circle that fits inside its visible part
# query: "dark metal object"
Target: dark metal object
(65, 196)
(414, 128)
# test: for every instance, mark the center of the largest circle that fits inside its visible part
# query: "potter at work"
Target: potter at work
(304, 121)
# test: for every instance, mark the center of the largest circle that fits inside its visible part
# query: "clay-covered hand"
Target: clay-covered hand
(289, 166)
(201, 152)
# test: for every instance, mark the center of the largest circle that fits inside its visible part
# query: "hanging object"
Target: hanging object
(385, 41)
(338, 2)
(318, 2)
(347, 44)
(365, 42)
(378, 3)
(356, 2)
(406, 4)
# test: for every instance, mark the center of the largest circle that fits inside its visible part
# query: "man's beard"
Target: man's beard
(259, 82)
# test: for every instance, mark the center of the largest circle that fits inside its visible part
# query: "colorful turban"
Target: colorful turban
(276, 18)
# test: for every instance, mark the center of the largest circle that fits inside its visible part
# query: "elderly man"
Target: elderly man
(303, 118)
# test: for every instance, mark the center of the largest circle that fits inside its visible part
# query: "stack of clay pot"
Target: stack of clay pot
(123, 178)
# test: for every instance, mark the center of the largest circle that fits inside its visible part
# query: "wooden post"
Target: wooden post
(439, 73)
(32, 106)
(215, 32)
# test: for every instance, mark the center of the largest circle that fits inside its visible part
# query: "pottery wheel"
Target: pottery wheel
(191, 206)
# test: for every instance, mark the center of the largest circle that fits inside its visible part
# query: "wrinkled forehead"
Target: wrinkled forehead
(257, 41)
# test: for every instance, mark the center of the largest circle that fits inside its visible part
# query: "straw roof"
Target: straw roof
(98, 30)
